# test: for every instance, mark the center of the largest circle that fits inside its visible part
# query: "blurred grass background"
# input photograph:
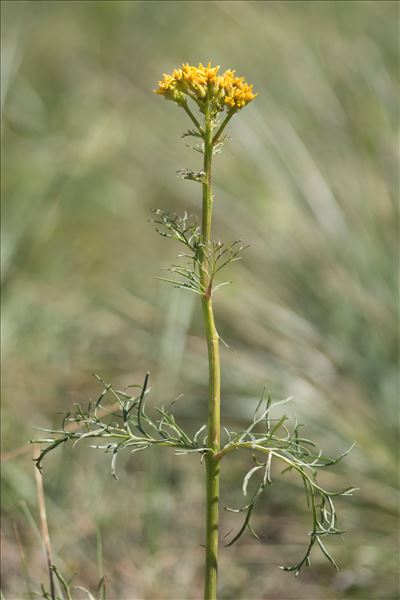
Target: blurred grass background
(310, 179)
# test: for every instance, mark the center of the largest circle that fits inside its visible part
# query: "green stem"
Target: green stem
(212, 465)
(223, 125)
(190, 114)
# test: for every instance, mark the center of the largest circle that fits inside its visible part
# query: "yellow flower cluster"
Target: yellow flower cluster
(205, 86)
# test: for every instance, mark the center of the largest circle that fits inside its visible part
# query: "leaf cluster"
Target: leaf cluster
(203, 260)
(217, 146)
(117, 421)
(272, 437)
(122, 425)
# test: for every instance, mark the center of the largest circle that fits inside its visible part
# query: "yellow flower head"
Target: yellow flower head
(206, 87)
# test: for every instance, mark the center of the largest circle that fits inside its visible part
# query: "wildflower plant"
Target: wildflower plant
(118, 420)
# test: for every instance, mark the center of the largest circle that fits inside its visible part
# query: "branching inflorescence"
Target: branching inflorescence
(118, 421)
